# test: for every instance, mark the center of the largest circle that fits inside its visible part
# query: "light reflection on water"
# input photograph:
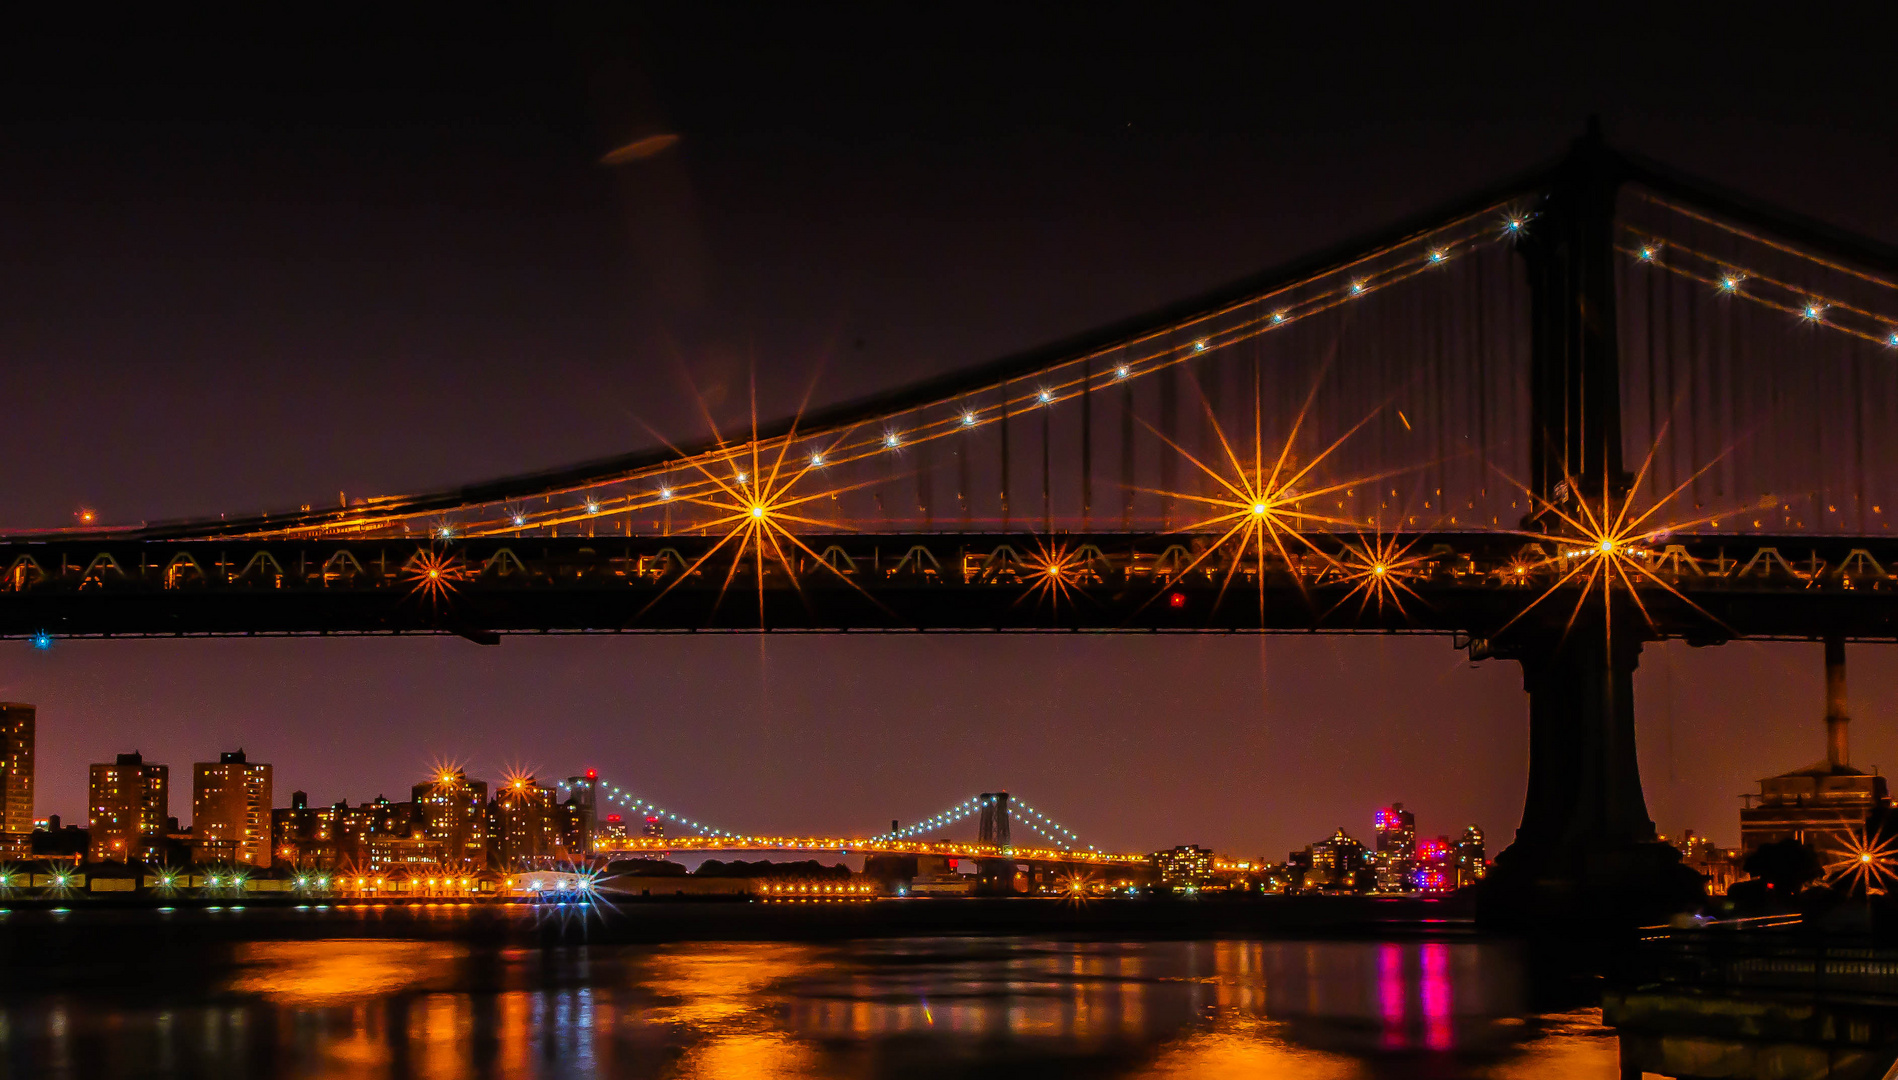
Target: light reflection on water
(904, 1008)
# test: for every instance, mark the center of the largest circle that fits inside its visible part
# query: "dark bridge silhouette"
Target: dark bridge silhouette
(1599, 404)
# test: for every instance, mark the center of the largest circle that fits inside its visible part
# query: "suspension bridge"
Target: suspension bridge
(995, 815)
(1597, 404)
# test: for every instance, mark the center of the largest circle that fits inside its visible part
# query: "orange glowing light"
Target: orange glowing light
(435, 576)
(1054, 572)
(1378, 568)
(1866, 864)
(1259, 502)
(757, 508)
(1607, 546)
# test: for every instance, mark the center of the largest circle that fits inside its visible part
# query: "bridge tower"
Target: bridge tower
(1586, 844)
(994, 828)
(995, 877)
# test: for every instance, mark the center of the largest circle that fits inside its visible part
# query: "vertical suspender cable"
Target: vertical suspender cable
(962, 475)
(1169, 426)
(1126, 455)
(1087, 441)
(1004, 484)
(1047, 468)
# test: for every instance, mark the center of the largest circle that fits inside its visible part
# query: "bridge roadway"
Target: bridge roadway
(1717, 587)
(870, 846)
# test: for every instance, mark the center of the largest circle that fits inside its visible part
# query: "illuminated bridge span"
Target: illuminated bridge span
(1598, 404)
(870, 846)
(996, 812)
(1598, 380)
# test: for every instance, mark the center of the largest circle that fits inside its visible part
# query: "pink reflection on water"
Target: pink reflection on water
(1390, 994)
(1438, 1033)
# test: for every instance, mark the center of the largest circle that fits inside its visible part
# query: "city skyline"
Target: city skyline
(1283, 815)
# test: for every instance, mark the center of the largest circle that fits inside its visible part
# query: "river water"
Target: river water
(913, 1008)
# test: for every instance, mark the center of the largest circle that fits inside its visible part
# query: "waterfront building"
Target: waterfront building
(16, 779)
(453, 810)
(654, 828)
(301, 835)
(1822, 806)
(359, 828)
(1186, 865)
(1433, 870)
(575, 827)
(388, 852)
(583, 795)
(53, 841)
(231, 811)
(1826, 805)
(1340, 864)
(1285, 877)
(613, 828)
(127, 808)
(1721, 866)
(1395, 860)
(526, 821)
(1467, 862)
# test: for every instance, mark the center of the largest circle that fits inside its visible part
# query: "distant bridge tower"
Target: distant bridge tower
(995, 877)
(995, 818)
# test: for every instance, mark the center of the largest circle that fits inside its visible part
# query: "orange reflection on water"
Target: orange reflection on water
(439, 1025)
(721, 993)
(763, 1056)
(712, 984)
(329, 972)
(1574, 1047)
(1247, 1047)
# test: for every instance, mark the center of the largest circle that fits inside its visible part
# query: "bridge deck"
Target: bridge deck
(1703, 588)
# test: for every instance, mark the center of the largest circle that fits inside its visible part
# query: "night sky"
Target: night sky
(240, 271)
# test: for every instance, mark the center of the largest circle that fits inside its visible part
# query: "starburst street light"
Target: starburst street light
(1865, 864)
(1053, 573)
(434, 576)
(1260, 498)
(757, 507)
(1378, 569)
(1607, 546)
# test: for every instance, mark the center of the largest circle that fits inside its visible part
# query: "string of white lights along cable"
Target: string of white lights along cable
(936, 821)
(1053, 840)
(633, 802)
(1064, 834)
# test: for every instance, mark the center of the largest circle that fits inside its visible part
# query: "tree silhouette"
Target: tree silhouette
(1785, 865)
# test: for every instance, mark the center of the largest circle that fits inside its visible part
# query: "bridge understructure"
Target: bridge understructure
(1705, 589)
(1596, 405)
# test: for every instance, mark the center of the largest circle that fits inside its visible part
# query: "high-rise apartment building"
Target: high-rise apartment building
(16, 779)
(1186, 865)
(453, 810)
(1395, 859)
(230, 810)
(1466, 858)
(1339, 864)
(583, 802)
(127, 809)
(363, 839)
(527, 822)
(1434, 871)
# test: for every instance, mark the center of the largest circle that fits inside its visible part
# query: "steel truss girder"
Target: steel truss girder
(1474, 584)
